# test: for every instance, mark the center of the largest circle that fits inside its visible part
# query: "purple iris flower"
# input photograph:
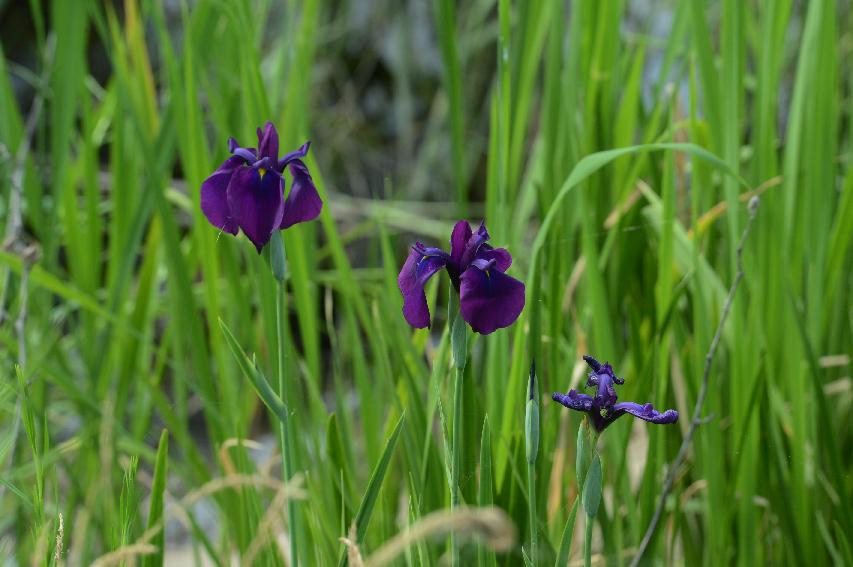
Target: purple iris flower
(602, 407)
(488, 298)
(247, 191)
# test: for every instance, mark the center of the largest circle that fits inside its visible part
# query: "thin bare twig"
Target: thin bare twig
(697, 418)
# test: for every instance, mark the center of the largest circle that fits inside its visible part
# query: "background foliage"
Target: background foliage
(112, 114)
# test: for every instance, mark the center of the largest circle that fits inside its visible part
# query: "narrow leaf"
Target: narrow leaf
(368, 501)
(582, 456)
(459, 341)
(566, 539)
(155, 512)
(259, 381)
(592, 488)
(485, 557)
(485, 495)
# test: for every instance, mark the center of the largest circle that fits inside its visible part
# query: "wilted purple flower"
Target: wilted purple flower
(247, 191)
(488, 298)
(602, 407)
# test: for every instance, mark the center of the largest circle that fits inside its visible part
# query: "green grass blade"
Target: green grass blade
(155, 511)
(485, 557)
(374, 485)
(566, 538)
(250, 371)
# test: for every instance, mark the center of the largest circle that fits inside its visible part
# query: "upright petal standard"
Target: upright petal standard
(489, 299)
(602, 408)
(247, 191)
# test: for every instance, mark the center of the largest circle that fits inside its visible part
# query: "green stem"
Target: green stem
(589, 482)
(456, 458)
(587, 543)
(285, 433)
(459, 348)
(531, 501)
(531, 449)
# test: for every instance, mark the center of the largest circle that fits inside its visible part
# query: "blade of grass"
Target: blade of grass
(566, 539)
(155, 511)
(368, 501)
(250, 371)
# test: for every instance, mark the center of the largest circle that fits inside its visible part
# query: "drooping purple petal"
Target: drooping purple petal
(458, 240)
(294, 155)
(489, 299)
(256, 203)
(268, 142)
(574, 400)
(502, 257)
(582, 402)
(303, 202)
(420, 266)
(214, 198)
(646, 412)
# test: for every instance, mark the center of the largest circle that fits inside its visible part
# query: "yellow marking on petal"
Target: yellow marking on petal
(261, 171)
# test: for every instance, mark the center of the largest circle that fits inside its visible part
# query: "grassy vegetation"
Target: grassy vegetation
(613, 159)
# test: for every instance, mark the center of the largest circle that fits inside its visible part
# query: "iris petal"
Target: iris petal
(256, 203)
(417, 270)
(607, 369)
(646, 412)
(502, 257)
(602, 409)
(574, 400)
(294, 155)
(458, 240)
(303, 203)
(473, 245)
(268, 142)
(489, 299)
(214, 197)
(606, 394)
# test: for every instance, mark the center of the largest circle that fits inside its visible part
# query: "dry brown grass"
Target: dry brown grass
(489, 524)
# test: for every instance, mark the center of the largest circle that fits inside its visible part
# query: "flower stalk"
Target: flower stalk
(588, 471)
(278, 266)
(482, 296)
(601, 409)
(531, 442)
(459, 348)
(247, 193)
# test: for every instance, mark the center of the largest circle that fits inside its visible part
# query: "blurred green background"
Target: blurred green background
(112, 283)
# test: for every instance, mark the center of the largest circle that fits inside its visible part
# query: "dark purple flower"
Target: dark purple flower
(247, 191)
(488, 298)
(602, 408)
